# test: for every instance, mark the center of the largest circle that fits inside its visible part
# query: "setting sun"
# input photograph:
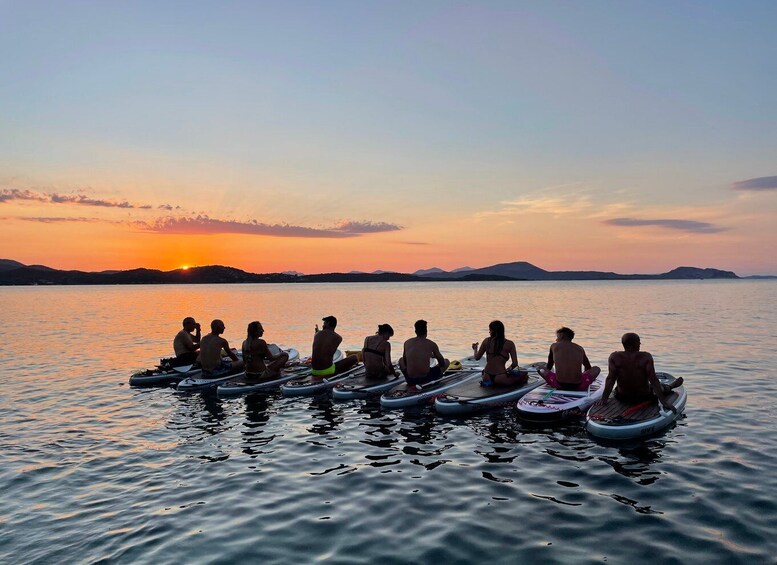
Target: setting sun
(185, 267)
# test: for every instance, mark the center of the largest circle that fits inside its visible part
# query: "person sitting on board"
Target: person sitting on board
(325, 344)
(256, 352)
(211, 347)
(417, 352)
(568, 358)
(498, 352)
(185, 344)
(376, 353)
(635, 374)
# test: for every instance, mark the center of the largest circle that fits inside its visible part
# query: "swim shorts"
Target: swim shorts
(433, 374)
(329, 371)
(585, 381)
(223, 369)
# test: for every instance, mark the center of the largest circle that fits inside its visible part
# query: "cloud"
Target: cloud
(9, 194)
(350, 226)
(202, 225)
(55, 220)
(760, 183)
(681, 225)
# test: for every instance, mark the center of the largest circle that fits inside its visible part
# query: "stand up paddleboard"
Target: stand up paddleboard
(405, 395)
(617, 420)
(310, 385)
(361, 387)
(200, 382)
(243, 385)
(470, 397)
(546, 404)
(164, 375)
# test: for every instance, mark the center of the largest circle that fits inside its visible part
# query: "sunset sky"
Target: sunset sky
(633, 137)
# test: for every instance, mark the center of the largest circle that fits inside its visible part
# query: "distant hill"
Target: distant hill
(7, 264)
(15, 273)
(521, 270)
(424, 272)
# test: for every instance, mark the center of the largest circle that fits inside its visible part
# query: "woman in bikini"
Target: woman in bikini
(498, 352)
(376, 353)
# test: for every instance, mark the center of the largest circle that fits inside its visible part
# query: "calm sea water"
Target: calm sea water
(93, 470)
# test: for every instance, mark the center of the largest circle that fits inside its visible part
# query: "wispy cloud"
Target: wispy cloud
(57, 220)
(680, 225)
(201, 225)
(760, 183)
(11, 194)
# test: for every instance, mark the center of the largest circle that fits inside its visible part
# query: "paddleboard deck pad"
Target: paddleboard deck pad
(470, 397)
(618, 420)
(244, 385)
(546, 404)
(362, 387)
(410, 395)
(202, 382)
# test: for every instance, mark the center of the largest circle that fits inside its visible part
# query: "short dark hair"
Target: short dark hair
(630, 340)
(385, 329)
(420, 327)
(566, 332)
(188, 320)
(331, 320)
(215, 323)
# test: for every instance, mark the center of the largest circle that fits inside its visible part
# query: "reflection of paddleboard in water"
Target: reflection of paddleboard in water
(469, 397)
(548, 404)
(617, 420)
(410, 395)
(362, 387)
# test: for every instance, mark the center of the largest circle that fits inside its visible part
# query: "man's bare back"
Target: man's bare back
(210, 351)
(633, 371)
(325, 344)
(418, 352)
(211, 346)
(635, 374)
(568, 358)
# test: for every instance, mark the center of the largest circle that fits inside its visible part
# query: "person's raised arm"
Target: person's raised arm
(612, 377)
(480, 352)
(549, 366)
(197, 335)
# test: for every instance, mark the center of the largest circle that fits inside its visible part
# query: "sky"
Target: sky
(632, 137)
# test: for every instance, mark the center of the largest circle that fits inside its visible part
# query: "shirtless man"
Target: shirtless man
(256, 352)
(635, 374)
(325, 343)
(185, 344)
(377, 353)
(210, 351)
(414, 362)
(568, 357)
